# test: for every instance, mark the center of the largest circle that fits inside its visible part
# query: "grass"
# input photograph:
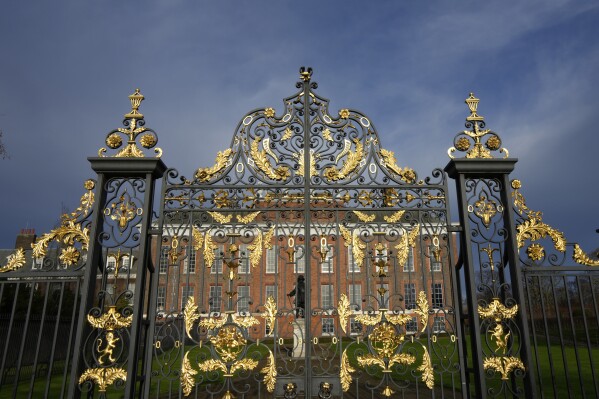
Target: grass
(552, 380)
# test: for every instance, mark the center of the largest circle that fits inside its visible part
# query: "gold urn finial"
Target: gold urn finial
(136, 99)
(473, 105)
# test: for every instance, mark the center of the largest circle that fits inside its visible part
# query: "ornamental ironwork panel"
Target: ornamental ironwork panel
(304, 263)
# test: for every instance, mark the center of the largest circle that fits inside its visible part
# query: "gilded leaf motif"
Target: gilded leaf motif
(212, 323)
(358, 248)
(423, 309)
(407, 241)
(497, 311)
(349, 165)
(503, 365)
(103, 377)
(396, 217)
(407, 174)
(344, 312)
(198, 238)
(399, 319)
(247, 218)
(256, 250)
(213, 365)
(14, 261)
(259, 157)
(209, 249)
(187, 373)
(222, 158)
(369, 320)
(270, 373)
(363, 217)
(268, 238)
(270, 314)
(220, 218)
(582, 258)
(345, 372)
(245, 321)
(244, 364)
(426, 368)
(347, 239)
(190, 314)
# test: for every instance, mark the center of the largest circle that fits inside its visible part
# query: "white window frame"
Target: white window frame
(271, 260)
(328, 326)
(437, 295)
(244, 260)
(163, 263)
(412, 326)
(161, 297)
(354, 292)
(410, 297)
(243, 298)
(326, 295)
(409, 265)
(352, 265)
(217, 266)
(187, 291)
(272, 288)
(439, 324)
(190, 260)
(216, 296)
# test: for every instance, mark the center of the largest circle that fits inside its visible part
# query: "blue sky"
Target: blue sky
(66, 69)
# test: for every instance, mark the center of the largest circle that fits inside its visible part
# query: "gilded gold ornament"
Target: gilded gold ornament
(212, 323)
(245, 321)
(423, 309)
(69, 256)
(406, 174)
(426, 368)
(103, 377)
(111, 320)
(349, 166)
(261, 161)
(504, 365)
(270, 314)
(256, 250)
(406, 242)
(269, 112)
(326, 134)
(249, 218)
(287, 134)
(220, 218)
(111, 341)
(345, 372)
(582, 258)
(344, 113)
(190, 315)
(394, 218)
(270, 373)
(497, 311)
(486, 209)
(209, 248)
(222, 159)
(387, 392)
(187, 373)
(198, 238)
(114, 141)
(14, 261)
(363, 217)
(148, 141)
(535, 252)
(344, 312)
(500, 337)
(228, 343)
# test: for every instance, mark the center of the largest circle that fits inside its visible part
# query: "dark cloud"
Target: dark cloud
(67, 69)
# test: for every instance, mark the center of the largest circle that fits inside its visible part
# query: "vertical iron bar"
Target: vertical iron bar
(561, 335)
(55, 335)
(534, 331)
(588, 338)
(87, 290)
(70, 347)
(307, 225)
(39, 338)
(23, 340)
(572, 328)
(10, 324)
(517, 290)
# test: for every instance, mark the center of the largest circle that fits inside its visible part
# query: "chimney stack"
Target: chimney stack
(25, 239)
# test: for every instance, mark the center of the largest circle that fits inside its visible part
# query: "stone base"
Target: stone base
(299, 338)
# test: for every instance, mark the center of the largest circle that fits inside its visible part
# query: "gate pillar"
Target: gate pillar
(499, 351)
(110, 332)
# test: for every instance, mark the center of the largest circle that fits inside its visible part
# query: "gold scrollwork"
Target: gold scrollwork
(486, 209)
(503, 365)
(103, 377)
(222, 160)
(209, 248)
(123, 212)
(497, 311)
(407, 174)
(14, 261)
(259, 157)
(349, 165)
(111, 320)
(70, 231)
(426, 368)
(363, 217)
(345, 372)
(422, 310)
(353, 240)
(385, 342)
(300, 163)
(212, 323)
(582, 258)
(249, 218)
(256, 250)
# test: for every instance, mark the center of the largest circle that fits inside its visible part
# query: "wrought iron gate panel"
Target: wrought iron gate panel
(372, 241)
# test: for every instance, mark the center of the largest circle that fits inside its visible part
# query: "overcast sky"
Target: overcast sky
(67, 67)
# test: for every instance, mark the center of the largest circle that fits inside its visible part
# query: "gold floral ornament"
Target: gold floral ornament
(350, 164)
(406, 174)
(471, 141)
(70, 231)
(269, 112)
(223, 159)
(261, 160)
(14, 261)
(344, 113)
(103, 377)
(111, 320)
(134, 122)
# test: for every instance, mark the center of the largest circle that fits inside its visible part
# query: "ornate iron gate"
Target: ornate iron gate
(305, 195)
(304, 263)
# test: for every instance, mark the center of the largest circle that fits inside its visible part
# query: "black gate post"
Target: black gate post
(109, 332)
(495, 302)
